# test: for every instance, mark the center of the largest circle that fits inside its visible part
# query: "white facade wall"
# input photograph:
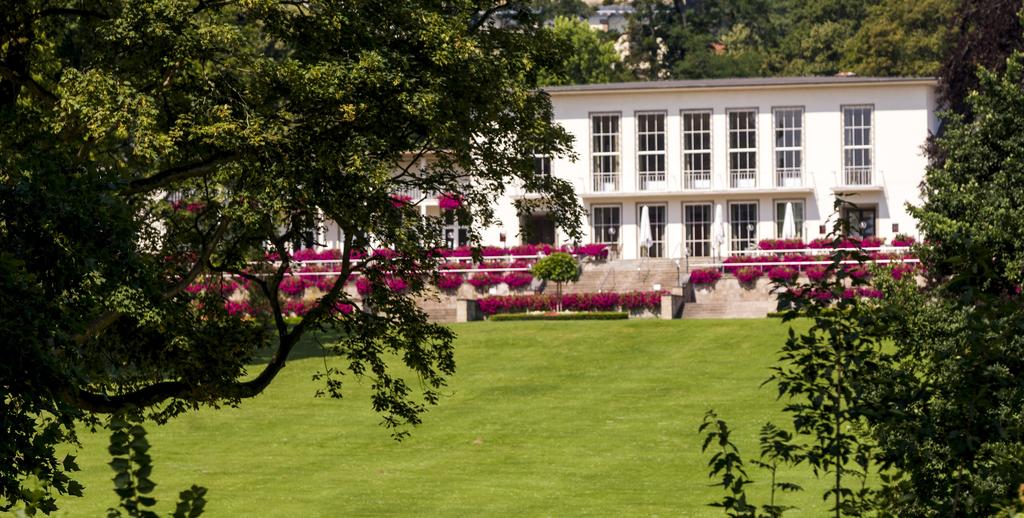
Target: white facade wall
(903, 116)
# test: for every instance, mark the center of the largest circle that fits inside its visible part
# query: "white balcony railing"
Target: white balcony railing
(697, 180)
(652, 182)
(743, 179)
(788, 177)
(606, 182)
(860, 175)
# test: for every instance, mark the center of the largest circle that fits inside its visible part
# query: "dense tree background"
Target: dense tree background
(264, 117)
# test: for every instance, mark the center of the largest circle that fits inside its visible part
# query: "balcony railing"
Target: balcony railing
(788, 177)
(606, 182)
(857, 176)
(697, 180)
(743, 179)
(652, 182)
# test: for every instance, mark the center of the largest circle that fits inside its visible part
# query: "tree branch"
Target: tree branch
(26, 80)
(178, 173)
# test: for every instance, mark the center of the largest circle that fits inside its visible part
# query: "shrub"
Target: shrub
(363, 286)
(593, 315)
(705, 276)
(585, 302)
(781, 244)
(903, 240)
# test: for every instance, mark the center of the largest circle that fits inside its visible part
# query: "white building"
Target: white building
(740, 149)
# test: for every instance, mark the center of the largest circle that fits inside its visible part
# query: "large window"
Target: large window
(650, 135)
(789, 142)
(606, 221)
(696, 150)
(743, 149)
(742, 225)
(798, 217)
(857, 159)
(697, 226)
(656, 216)
(604, 152)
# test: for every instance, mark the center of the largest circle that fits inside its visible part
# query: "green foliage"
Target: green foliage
(552, 9)
(588, 315)
(777, 449)
(590, 58)
(266, 118)
(133, 466)
(901, 38)
(718, 38)
(950, 419)
(557, 267)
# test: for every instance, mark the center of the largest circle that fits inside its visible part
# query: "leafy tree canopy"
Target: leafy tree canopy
(265, 117)
(591, 58)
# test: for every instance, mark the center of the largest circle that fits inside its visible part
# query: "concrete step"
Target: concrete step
(737, 309)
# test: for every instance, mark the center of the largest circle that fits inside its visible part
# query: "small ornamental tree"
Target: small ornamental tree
(558, 267)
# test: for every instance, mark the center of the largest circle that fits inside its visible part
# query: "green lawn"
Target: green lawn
(542, 419)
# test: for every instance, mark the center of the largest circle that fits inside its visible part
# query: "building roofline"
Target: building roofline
(740, 83)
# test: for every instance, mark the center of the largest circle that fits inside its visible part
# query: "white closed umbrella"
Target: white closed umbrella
(789, 223)
(718, 231)
(645, 236)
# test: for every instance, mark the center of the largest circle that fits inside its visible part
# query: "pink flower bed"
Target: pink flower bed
(868, 242)
(517, 280)
(902, 240)
(748, 275)
(783, 274)
(631, 301)
(816, 273)
(781, 244)
(482, 281)
(449, 281)
(705, 276)
(292, 286)
(294, 307)
(238, 309)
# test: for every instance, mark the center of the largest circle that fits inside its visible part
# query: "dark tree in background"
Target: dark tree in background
(986, 33)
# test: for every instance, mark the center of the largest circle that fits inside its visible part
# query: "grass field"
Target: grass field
(542, 419)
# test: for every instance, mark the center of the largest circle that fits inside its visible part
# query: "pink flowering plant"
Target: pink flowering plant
(705, 276)
(635, 301)
(449, 201)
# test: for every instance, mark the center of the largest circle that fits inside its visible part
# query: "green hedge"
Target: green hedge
(589, 315)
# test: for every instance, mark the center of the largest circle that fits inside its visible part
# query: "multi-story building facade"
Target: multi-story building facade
(712, 165)
(715, 164)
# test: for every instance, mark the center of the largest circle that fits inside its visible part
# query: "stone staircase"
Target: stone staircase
(727, 299)
(626, 275)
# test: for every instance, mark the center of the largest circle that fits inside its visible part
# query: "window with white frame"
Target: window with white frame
(742, 148)
(798, 217)
(789, 142)
(742, 225)
(696, 150)
(604, 152)
(650, 146)
(456, 233)
(541, 165)
(656, 217)
(697, 227)
(606, 221)
(857, 145)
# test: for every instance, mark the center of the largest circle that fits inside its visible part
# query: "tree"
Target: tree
(950, 414)
(551, 9)
(265, 117)
(985, 33)
(558, 267)
(901, 38)
(591, 58)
